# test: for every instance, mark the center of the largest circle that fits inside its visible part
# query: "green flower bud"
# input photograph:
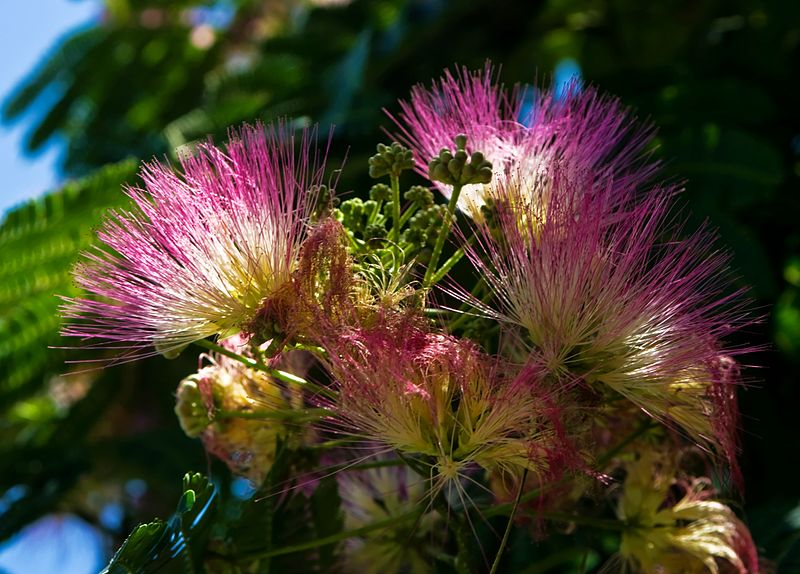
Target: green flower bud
(380, 192)
(374, 231)
(190, 408)
(369, 206)
(355, 213)
(460, 168)
(390, 160)
(413, 236)
(419, 195)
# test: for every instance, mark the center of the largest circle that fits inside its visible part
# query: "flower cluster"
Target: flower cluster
(525, 135)
(615, 299)
(588, 341)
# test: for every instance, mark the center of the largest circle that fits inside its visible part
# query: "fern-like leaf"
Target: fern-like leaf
(39, 244)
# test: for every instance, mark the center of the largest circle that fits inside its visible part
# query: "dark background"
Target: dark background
(719, 78)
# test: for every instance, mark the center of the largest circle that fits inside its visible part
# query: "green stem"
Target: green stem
(450, 263)
(507, 533)
(395, 180)
(319, 351)
(381, 524)
(355, 244)
(412, 209)
(247, 361)
(258, 366)
(282, 414)
(447, 266)
(287, 377)
(330, 444)
(443, 233)
(373, 217)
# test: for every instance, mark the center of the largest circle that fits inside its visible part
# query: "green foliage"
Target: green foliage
(787, 308)
(251, 527)
(176, 545)
(325, 503)
(39, 244)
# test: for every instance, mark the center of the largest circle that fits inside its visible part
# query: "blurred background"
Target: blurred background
(90, 88)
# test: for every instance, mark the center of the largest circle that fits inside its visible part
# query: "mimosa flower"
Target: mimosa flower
(617, 298)
(694, 534)
(379, 494)
(581, 131)
(442, 400)
(201, 250)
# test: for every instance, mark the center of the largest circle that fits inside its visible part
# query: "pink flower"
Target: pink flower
(201, 250)
(439, 398)
(612, 294)
(581, 132)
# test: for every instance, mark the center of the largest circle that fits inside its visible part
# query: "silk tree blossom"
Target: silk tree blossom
(439, 398)
(689, 532)
(617, 298)
(379, 494)
(581, 131)
(201, 249)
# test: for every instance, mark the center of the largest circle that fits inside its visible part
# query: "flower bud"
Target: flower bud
(190, 407)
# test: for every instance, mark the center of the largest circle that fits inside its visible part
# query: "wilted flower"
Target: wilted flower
(690, 534)
(614, 297)
(524, 134)
(440, 398)
(331, 293)
(239, 413)
(378, 494)
(201, 250)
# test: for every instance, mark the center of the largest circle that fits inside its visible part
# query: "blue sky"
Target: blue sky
(57, 543)
(28, 30)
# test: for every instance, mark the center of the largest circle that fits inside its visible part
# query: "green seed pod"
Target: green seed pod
(454, 167)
